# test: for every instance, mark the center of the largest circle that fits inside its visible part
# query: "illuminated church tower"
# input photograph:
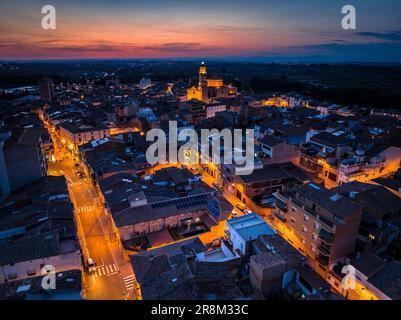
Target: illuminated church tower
(209, 89)
(202, 76)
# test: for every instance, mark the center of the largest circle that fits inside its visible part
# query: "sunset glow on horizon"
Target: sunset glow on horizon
(160, 29)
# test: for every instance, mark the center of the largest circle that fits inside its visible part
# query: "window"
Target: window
(314, 236)
(292, 220)
(303, 241)
(293, 210)
(31, 272)
(306, 218)
(313, 248)
(304, 229)
(316, 225)
(338, 220)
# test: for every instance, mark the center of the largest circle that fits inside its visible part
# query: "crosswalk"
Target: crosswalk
(76, 183)
(106, 270)
(85, 209)
(129, 282)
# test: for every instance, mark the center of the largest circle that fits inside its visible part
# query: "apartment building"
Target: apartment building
(323, 223)
(22, 158)
(266, 180)
(337, 159)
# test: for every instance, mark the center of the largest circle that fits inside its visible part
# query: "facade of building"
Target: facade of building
(243, 230)
(276, 150)
(336, 161)
(38, 228)
(77, 135)
(212, 109)
(325, 223)
(22, 159)
(209, 89)
(46, 89)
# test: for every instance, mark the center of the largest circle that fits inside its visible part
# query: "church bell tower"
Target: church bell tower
(202, 75)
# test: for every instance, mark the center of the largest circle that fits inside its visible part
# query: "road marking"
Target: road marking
(86, 208)
(72, 183)
(129, 282)
(106, 270)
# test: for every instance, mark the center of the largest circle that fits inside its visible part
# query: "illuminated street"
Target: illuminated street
(195, 152)
(113, 277)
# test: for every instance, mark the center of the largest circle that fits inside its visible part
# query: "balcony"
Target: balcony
(282, 196)
(228, 244)
(326, 221)
(281, 205)
(323, 260)
(279, 216)
(325, 250)
(326, 236)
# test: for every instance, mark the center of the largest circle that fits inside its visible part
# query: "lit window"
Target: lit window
(314, 236)
(316, 225)
(304, 229)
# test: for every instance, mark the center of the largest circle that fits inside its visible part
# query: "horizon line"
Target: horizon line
(283, 59)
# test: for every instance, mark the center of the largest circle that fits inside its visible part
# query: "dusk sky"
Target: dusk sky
(173, 28)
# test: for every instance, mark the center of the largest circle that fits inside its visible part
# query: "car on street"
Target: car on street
(234, 214)
(217, 186)
(241, 206)
(91, 265)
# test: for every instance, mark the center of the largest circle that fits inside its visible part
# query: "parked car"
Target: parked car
(241, 206)
(91, 265)
(234, 214)
(247, 211)
(217, 186)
